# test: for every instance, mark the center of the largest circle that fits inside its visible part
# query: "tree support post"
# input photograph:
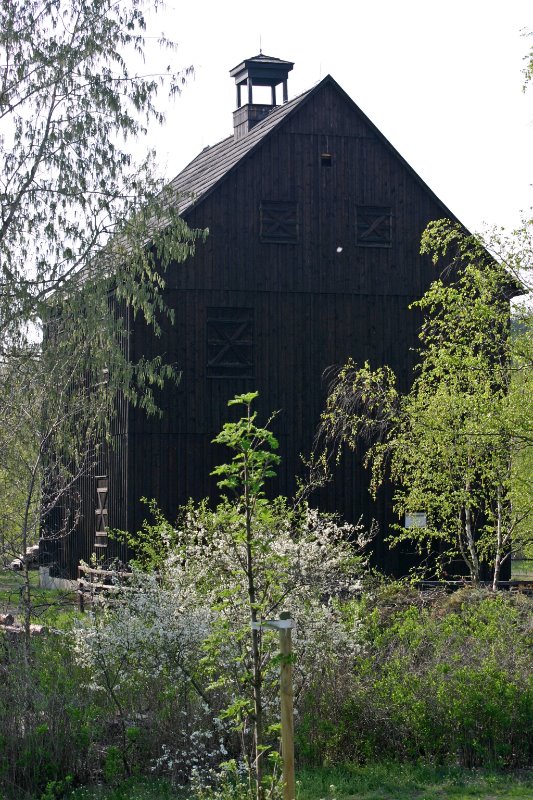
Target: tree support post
(284, 625)
(287, 702)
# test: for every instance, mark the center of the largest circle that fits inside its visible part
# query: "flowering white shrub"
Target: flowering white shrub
(186, 628)
(304, 562)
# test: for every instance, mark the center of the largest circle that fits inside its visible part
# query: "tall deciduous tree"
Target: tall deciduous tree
(453, 445)
(70, 106)
(86, 233)
(253, 462)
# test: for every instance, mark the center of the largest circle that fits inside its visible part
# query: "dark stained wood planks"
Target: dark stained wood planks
(315, 302)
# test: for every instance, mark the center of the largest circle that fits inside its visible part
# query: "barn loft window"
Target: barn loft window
(230, 342)
(279, 222)
(374, 226)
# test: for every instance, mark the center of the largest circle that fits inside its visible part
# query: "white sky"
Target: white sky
(441, 80)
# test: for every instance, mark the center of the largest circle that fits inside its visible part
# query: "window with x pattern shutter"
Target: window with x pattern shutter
(279, 222)
(230, 342)
(374, 226)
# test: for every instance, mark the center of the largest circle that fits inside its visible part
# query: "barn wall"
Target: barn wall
(313, 306)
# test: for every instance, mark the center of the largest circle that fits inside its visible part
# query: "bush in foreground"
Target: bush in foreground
(395, 674)
(439, 678)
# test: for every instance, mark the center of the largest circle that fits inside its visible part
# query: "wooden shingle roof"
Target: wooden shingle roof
(196, 180)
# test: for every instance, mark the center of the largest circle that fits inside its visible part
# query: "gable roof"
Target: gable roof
(214, 163)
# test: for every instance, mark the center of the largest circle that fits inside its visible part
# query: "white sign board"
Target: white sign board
(417, 519)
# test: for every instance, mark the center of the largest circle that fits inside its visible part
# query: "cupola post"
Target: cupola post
(260, 70)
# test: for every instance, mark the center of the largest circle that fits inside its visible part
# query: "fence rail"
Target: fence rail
(92, 580)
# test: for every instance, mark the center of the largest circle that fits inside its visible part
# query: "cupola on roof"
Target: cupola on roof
(261, 70)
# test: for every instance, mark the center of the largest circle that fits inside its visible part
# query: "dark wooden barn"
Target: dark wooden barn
(312, 256)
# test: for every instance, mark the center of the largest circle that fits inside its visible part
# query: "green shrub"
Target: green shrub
(48, 725)
(395, 674)
(446, 679)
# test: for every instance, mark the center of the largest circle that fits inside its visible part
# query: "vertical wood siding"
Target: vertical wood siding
(315, 304)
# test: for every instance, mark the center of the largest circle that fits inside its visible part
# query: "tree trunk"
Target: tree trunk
(474, 571)
(474, 562)
(26, 592)
(256, 654)
(499, 542)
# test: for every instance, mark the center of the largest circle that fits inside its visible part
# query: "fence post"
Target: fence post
(287, 718)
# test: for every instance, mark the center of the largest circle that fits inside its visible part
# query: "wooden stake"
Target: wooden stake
(284, 625)
(287, 719)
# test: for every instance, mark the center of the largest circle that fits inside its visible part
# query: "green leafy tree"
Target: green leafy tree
(454, 443)
(71, 103)
(245, 476)
(86, 234)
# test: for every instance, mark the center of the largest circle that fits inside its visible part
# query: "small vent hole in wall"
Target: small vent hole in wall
(326, 159)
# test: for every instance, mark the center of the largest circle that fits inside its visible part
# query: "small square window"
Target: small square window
(279, 222)
(374, 226)
(230, 343)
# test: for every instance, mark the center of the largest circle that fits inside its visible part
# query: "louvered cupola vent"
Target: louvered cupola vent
(258, 71)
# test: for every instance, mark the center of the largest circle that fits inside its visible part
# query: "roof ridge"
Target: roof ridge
(212, 164)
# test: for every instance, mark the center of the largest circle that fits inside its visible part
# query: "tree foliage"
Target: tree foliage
(71, 105)
(87, 232)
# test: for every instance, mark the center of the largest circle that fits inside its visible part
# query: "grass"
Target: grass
(412, 782)
(372, 782)
(522, 569)
(47, 603)
(11, 587)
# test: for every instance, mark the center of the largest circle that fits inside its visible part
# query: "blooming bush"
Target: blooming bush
(176, 643)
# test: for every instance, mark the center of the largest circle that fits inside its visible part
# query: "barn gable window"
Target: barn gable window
(230, 342)
(279, 222)
(374, 226)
